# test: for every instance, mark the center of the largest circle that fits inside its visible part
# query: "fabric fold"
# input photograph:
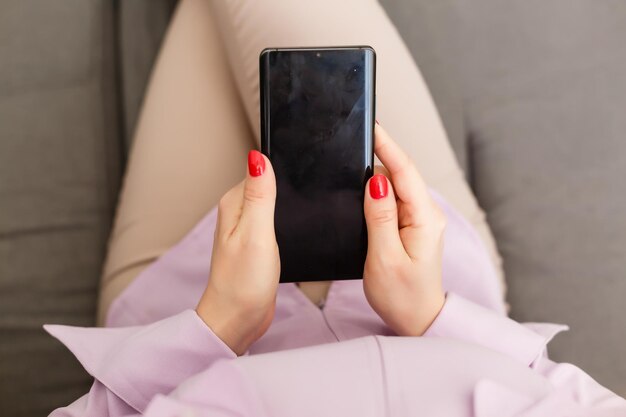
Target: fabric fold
(463, 320)
(137, 363)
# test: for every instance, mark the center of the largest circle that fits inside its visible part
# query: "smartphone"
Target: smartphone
(317, 124)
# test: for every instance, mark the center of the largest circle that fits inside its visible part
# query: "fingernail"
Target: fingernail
(378, 186)
(377, 122)
(256, 163)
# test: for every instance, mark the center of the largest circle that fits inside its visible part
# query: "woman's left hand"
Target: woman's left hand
(402, 276)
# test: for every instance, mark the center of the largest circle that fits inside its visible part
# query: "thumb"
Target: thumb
(381, 216)
(259, 196)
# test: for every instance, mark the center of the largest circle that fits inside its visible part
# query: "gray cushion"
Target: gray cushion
(540, 93)
(59, 175)
(142, 26)
(432, 32)
(548, 155)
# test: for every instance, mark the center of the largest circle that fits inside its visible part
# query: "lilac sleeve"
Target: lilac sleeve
(574, 392)
(131, 365)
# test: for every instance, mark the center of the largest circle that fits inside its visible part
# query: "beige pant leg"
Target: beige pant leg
(404, 105)
(190, 147)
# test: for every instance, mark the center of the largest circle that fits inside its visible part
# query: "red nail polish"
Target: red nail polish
(256, 163)
(378, 186)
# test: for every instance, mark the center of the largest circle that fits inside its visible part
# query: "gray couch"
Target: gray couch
(532, 94)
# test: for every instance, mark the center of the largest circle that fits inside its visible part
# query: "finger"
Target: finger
(409, 184)
(381, 217)
(259, 197)
(425, 241)
(229, 210)
(380, 169)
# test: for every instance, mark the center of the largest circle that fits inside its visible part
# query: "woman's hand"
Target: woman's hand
(402, 277)
(238, 303)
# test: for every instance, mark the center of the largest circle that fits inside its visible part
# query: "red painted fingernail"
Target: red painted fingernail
(256, 163)
(378, 186)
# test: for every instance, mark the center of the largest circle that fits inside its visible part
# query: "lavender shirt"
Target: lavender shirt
(157, 357)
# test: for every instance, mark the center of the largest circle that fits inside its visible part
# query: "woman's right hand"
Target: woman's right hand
(403, 270)
(239, 300)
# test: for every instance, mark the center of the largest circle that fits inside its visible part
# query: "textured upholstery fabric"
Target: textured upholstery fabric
(142, 25)
(432, 32)
(545, 113)
(59, 175)
(533, 94)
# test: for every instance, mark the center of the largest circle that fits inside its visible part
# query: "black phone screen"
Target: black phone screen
(317, 119)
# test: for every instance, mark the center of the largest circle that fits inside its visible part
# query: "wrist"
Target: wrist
(225, 323)
(436, 305)
(425, 316)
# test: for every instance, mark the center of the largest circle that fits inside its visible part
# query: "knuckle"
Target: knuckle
(384, 216)
(221, 205)
(253, 194)
(224, 202)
